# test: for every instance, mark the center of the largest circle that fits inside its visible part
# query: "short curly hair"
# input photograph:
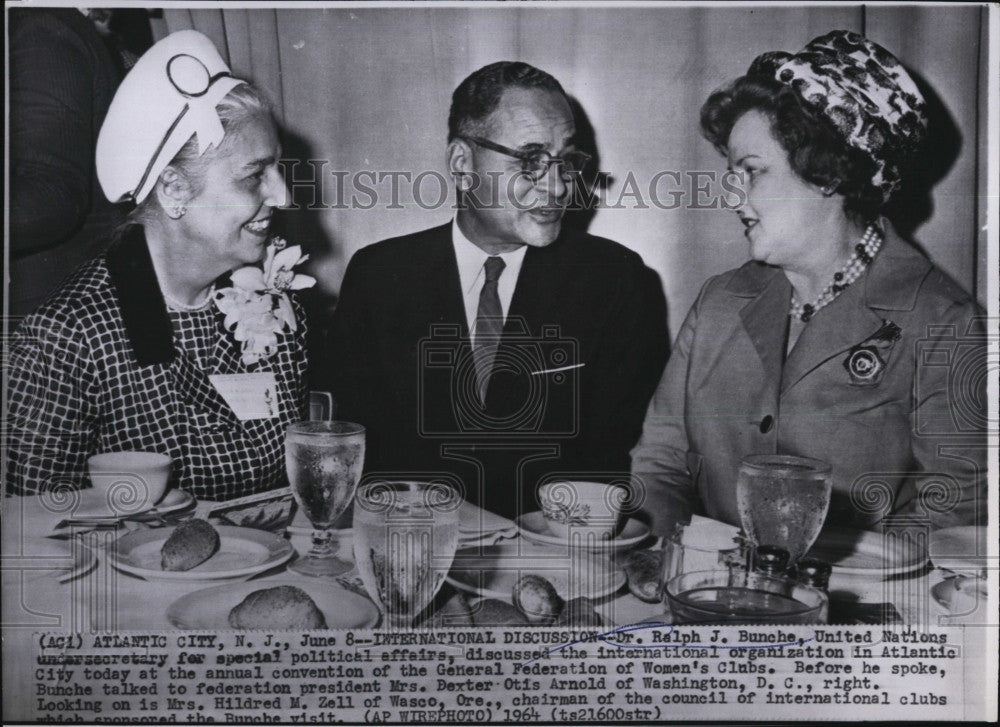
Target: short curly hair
(479, 95)
(817, 152)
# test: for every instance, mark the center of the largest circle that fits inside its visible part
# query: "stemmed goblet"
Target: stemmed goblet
(324, 460)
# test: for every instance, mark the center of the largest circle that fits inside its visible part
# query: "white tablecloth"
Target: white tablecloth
(106, 599)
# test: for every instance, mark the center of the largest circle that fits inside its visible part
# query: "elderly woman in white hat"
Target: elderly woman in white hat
(182, 339)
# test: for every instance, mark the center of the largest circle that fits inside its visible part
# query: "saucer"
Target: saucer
(534, 527)
(861, 557)
(959, 549)
(91, 506)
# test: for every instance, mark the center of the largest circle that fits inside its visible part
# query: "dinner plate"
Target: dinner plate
(243, 552)
(960, 549)
(868, 554)
(49, 558)
(92, 506)
(534, 527)
(492, 571)
(208, 609)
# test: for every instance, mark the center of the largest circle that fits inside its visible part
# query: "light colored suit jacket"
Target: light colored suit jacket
(887, 384)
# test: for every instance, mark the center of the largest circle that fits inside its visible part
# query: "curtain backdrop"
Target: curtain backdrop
(369, 89)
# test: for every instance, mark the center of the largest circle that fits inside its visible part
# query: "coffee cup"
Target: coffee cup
(589, 510)
(127, 482)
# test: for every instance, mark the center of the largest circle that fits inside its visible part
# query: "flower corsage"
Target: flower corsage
(257, 307)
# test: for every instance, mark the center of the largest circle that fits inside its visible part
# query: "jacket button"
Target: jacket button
(766, 424)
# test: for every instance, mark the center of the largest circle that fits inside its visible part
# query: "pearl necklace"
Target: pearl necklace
(176, 305)
(864, 252)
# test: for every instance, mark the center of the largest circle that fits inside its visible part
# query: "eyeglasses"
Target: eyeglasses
(536, 162)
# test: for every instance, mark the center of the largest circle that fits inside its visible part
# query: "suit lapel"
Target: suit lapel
(440, 297)
(835, 329)
(539, 312)
(890, 284)
(535, 295)
(144, 313)
(149, 330)
(436, 311)
(764, 316)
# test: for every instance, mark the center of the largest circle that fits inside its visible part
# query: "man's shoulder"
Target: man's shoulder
(400, 251)
(593, 249)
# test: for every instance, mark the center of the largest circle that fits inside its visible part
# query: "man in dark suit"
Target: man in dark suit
(501, 350)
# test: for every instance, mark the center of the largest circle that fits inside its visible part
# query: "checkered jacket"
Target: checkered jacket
(101, 367)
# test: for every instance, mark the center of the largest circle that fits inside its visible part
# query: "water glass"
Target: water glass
(324, 460)
(783, 500)
(405, 536)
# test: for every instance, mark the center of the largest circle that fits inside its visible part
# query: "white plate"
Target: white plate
(243, 552)
(534, 527)
(208, 609)
(92, 505)
(492, 571)
(474, 520)
(868, 554)
(49, 558)
(961, 549)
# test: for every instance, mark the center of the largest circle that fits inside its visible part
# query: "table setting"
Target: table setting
(413, 554)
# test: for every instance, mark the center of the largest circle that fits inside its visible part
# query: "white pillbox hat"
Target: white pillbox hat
(168, 97)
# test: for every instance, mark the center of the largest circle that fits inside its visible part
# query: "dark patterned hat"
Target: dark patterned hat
(863, 90)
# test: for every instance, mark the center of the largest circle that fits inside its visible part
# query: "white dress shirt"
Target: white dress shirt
(472, 274)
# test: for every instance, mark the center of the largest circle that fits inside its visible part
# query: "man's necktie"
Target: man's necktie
(489, 325)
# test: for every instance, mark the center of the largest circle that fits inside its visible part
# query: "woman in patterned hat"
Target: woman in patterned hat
(833, 342)
(182, 339)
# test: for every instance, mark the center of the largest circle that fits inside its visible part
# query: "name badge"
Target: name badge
(250, 396)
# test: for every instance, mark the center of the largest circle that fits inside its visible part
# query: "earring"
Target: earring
(178, 212)
(829, 189)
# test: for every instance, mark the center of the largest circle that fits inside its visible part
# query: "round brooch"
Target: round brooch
(864, 363)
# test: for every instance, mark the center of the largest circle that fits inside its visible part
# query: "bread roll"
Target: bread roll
(537, 599)
(493, 612)
(643, 569)
(192, 542)
(278, 608)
